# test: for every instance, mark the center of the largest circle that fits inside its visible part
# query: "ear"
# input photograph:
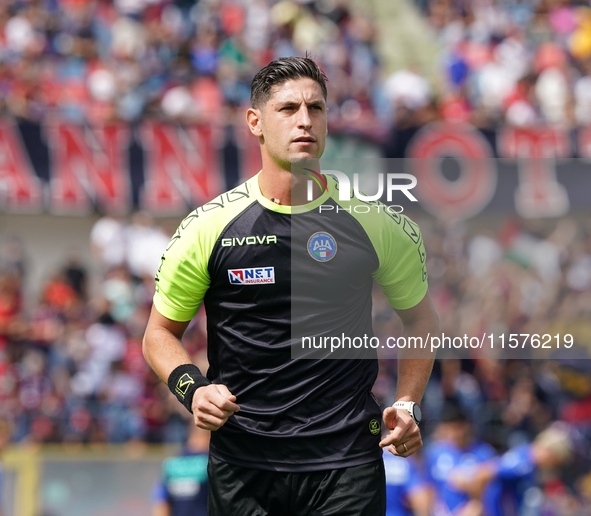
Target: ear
(253, 119)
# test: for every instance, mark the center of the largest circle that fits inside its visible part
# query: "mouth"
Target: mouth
(304, 139)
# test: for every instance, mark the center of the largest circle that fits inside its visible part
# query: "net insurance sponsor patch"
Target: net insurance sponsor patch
(254, 276)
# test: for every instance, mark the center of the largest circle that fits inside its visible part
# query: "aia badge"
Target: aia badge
(253, 276)
(322, 246)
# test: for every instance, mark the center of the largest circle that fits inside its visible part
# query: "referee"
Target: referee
(291, 437)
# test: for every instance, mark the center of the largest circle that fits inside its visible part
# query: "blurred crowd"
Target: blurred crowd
(180, 60)
(71, 365)
(498, 61)
(72, 370)
(524, 277)
(517, 62)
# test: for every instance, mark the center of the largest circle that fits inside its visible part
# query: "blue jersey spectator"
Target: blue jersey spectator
(453, 451)
(408, 492)
(507, 484)
(515, 473)
(183, 488)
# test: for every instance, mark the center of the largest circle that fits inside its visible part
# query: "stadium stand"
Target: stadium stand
(71, 367)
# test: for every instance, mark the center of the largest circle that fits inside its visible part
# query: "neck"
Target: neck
(284, 187)
(276, 185)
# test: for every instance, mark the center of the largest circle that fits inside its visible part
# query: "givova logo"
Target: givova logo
(322, 246)
(252, 276)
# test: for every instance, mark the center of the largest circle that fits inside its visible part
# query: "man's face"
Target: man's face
(294, 122)
(456, 431)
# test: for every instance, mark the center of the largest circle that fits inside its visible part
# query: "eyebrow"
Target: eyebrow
(292, 103)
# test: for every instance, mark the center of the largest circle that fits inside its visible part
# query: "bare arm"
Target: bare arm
(414, 366)
(161, 508)
(421, 500)
(212, 405)
(162, 345)
(414, 370)
(474, 484)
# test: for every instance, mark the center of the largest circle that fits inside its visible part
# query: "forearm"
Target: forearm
(414, 369)
(162, 346)
(211, 404)
(161, 509)
(164, 352)
(421, 501)
(414, 373)
(415, 365)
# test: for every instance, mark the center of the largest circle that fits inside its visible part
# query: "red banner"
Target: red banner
(169, 169)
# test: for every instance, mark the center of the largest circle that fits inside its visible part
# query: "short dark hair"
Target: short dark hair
(280, 71)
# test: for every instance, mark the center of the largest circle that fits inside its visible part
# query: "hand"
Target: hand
(459, 480)
(472, 481)
(212, 406)
(404, 438)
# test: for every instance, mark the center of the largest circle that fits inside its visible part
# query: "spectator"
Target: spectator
(108, 242)
(454, 449)
(183, 488)
(407, 491)
(512, 477)
(145, 244)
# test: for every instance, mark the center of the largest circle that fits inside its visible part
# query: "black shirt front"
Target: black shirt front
(269, 276)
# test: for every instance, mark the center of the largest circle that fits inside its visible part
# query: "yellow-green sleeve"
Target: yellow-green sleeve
(402, 273)
(182, 278)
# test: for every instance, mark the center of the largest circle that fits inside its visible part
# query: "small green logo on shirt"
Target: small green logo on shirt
(374, 427)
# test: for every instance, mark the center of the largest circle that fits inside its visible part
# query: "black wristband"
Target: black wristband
(184, 381)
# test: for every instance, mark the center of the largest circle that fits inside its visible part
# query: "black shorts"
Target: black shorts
(352, 491)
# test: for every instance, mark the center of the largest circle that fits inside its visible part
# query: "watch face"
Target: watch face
(416, 412)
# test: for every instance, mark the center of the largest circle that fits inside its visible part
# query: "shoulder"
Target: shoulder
(517, 455)
(484, 450)
(437, 448)
(379, 220)
(211, 218)
(222, 208)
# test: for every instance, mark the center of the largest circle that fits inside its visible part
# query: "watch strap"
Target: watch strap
(409, 407)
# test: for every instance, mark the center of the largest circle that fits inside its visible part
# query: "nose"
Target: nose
(304, 121)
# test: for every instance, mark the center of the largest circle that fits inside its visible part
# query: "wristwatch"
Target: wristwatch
(412, 408)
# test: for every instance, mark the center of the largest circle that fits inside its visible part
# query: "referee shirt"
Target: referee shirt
(270, 275)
